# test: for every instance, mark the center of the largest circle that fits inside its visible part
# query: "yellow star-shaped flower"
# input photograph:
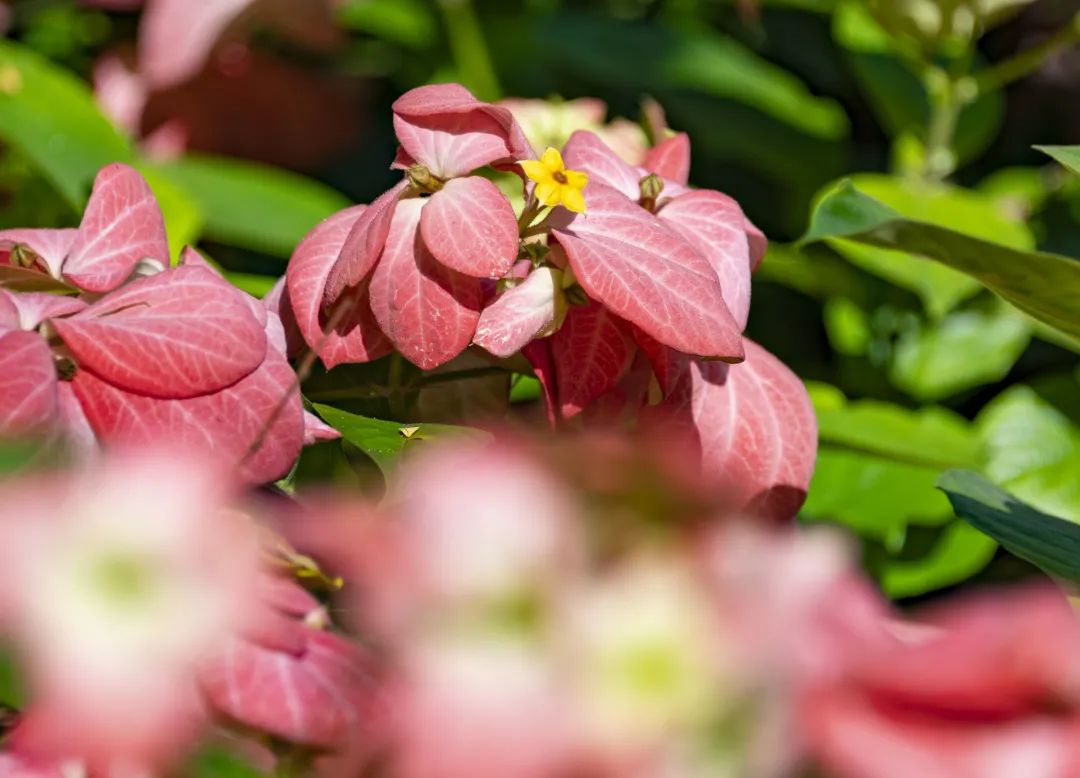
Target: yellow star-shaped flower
(555, 185)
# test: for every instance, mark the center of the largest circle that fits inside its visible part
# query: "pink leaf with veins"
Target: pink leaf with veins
(9, 313)
(225, 424)
(122, 224)
(591, 352)
(670, 158)
(470, 227)
(179, 333)
(77, 430)
(51, 245)
(363, 244)
(317, 698)
(36, 307)
(357, 338)
(27, 384)
(759, 244)
(446, 129)
(428, 311)
(713, 223)
(752, 425)
(521, 314)
(586, 152)
(643, 271)
(668, 365)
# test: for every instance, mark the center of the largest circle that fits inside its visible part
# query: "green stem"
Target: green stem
(470, 51)
(1026, 62)
(947, 99)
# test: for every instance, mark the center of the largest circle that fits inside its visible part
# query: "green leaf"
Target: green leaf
(409, 22)
(1046, 541)
(963, 350)
(930, 437)
(251, 205)
(183, 217)
(386, 441)
(1069, 156)
(21, 279)
(1045, 286)
(1033, 450)
(217, 762)
(50, 115)
(940, 287)
(959, 552)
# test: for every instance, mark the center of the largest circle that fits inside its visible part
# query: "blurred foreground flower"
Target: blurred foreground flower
(117, 583)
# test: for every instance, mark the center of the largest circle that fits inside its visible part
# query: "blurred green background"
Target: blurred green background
(931, 106)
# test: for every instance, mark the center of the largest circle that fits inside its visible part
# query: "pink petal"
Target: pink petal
(315, 699)
(77, 430)
(522, 313)
(543, 364)
(586, 152)
(27, 384)
(51, 245)
(177, 36)
(754, 428)
(470, 227)
(358, 337)
(176, 334)
(189, 257)
(360, 250)
(645, 273)
(445, 128)
(122, 225)
(228, 425)
(591, 353)
(36, 307)
(670, 158)
(759, 244)
(713, 223)
(428, 311)
(316, 430)
(121, 93)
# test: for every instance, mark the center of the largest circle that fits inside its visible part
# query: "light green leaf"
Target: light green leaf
(930, 437)
(963, 350)
(386, 441)
(50, 115)
(183, 217)
(1069, 156)
(1045, 286)
(251, 205)
(1046, 541)
(959, 552)
(940, 287)
(1033, 450)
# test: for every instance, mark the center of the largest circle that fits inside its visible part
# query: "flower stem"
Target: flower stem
(471, 55)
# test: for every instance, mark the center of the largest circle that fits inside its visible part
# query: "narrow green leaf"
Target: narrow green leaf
(386, 441)
(251, 205)
(50, 115)
(1045, 286)
(1046, 541)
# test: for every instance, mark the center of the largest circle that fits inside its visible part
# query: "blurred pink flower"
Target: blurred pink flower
(119, 580)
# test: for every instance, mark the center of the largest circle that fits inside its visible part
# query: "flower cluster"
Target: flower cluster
(101, 339)
(611, 277)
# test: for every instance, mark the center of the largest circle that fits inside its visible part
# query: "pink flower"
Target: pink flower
(138, 571)
(412, 262)
(987, 687)
(174, 352)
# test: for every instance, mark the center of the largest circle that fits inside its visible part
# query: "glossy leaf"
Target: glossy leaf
(1045, 286)
(1044, 540)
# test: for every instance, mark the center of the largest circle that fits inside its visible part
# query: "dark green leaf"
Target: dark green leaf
(1046, 541)
(386, 441)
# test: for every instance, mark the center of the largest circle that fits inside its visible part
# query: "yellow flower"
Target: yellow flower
(555, 185)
